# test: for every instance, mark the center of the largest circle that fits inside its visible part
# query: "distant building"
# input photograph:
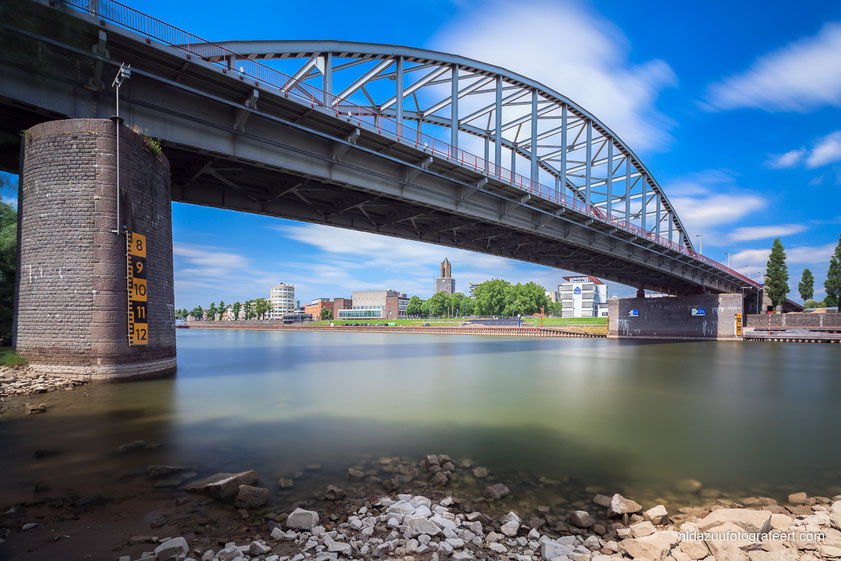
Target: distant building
(446, 283)
(282, 300)
(376, 304)
(553, 296)
(583, 297)
(340, 304)
(228, 314)
(314, 307)
(473, 286)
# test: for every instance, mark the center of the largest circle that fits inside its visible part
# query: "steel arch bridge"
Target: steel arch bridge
(411, 116)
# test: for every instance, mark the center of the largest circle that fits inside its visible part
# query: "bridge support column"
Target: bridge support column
(701, 316)
(72, 310)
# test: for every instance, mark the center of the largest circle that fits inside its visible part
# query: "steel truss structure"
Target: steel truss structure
(454, 106)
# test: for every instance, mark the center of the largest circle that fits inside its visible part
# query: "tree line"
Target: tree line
(776, 279)
(491, 298)
(250, 309)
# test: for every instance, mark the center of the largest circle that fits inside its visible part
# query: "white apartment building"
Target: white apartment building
(282, 299)
(583, 297)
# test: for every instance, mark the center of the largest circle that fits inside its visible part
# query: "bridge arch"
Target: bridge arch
(518, 122)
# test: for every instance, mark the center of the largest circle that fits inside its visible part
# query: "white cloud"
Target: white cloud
(574, 52)
(827, 150)
(801, 76)
(749, 233)
(787, 160)
(710, 199)
(800, 255)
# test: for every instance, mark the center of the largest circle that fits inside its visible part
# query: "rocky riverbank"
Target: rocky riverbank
(390, 510)
(23, 380)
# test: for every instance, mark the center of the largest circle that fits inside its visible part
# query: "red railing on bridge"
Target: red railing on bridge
(262, 75)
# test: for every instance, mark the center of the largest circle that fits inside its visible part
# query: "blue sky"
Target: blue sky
(735, 107)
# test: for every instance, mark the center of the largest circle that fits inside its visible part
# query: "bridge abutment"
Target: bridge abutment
(700, 316)
(72, 306)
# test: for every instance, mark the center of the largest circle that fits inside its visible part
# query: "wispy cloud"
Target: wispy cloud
(824, 151)
(799, 255)
(750, 233)
(710, 199)
(827, 150)
(575, 52)
(801, 76)
(787, 160)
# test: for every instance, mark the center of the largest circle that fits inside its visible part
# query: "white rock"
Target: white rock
(642, 529)
(657, 514)
(464, 555)
(510, 524)
(749, 520)
(257, 548)
(172, 548)
(498, 548)
(419, 500)
(456, 542)
(619, 505)
(402, 507)
(423, 511)
(445, 548)
(551, 549)
(696, 549)
(415, 526)
(443, 523)
(654, 547)
(302, 519)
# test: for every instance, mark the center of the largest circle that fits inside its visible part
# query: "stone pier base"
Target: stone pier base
(72, 306)
(702, 316)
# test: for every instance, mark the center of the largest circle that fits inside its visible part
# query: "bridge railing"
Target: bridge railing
(231, 63)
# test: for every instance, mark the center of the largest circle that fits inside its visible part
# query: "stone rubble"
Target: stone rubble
(24, 380)
(412, 527)
(338, 526)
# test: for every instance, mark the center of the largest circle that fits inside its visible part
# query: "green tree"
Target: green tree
(222, 307)
(197, 312)
(813, 304)
(468, 306)
(261, 307)
(776, 274)
(425, 308)
(413, 308)
(832, 284)
(439, 304)
(457, 302)
(806, 287)
(235, 309)
(492, 297)
(8, 253)
(249, 309)
(211, 311)
(326, 313)
(557, 309)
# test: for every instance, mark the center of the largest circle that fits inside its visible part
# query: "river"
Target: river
(554, 419)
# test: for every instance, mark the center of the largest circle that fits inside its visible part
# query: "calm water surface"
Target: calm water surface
(585, 414)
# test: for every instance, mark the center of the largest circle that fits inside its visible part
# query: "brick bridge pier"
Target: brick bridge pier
(72, 294)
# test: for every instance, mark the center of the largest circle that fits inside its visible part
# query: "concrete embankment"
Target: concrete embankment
(806, 327)
(431, 330)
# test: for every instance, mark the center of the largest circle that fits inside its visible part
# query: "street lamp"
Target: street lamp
(701, 246)
(123, 73)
